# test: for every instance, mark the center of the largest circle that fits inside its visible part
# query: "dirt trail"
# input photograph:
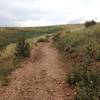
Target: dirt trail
(42, 78)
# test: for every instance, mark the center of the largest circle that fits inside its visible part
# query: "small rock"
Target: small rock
(67, 94)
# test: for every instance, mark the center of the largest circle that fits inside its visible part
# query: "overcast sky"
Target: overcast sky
(47, 12)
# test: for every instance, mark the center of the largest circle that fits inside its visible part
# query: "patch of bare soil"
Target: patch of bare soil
(42, 78)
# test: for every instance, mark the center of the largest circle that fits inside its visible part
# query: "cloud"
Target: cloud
(32, 23)
(47, 12)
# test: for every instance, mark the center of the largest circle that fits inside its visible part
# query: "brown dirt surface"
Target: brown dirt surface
(42, 77)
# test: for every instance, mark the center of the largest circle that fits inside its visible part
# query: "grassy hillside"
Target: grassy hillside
(79, 40)
(9, 35)
(81, 46)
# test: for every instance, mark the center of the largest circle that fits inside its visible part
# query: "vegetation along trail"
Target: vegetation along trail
(42, 77)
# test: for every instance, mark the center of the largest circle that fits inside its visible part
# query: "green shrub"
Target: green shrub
(90, 23)
(56, 37)
(78, 74)
(42, 40)
(87, 83)
(90, 49)
(6, 69)
(22, 48)
(89, 90)
(98, 57)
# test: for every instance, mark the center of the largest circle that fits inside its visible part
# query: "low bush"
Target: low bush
(89, 89)
(22, 48)
(56, 37)
(90, 23)
(78, 74)
(6, 68)
(86, 81)
(42, 40)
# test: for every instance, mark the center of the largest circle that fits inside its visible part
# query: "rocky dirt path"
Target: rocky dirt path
(42, 78)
